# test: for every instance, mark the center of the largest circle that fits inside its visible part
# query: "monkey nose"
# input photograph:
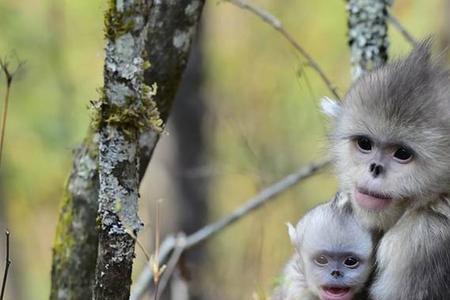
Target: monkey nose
(336, 273)
(376, 169)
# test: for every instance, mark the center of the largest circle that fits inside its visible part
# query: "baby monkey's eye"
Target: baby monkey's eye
(321, 260)
(351, 262)
(364, 144)
(403, 155)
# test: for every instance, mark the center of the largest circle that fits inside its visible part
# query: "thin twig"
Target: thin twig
(277, 25)
(7, 264)
(180, 244)
(157, 269)
(5, 114)
(9, 74)
(267, 194)
(396, 23)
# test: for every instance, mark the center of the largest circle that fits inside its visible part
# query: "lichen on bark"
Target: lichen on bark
(168, 54)
(367, 32)
(125, 111)
(172, 28)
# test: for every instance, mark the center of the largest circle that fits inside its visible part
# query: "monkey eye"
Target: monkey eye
(351, 262)
(321, 260)
(403, 155)
(364, 144)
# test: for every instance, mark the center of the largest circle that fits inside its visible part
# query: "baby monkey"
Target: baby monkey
(333, 257)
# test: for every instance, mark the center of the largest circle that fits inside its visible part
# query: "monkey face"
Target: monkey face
(387, 165)
(376, 172)
(392, 137)
(335, 251)
(335, 275)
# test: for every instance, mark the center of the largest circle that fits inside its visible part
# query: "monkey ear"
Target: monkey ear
(292, 233)
(330, 107)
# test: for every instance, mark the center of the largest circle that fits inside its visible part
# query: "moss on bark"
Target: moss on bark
(75, 244)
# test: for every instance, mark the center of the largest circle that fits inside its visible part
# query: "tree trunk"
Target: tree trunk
(188, 124)
(172, 27)
(75, 246)
(126, 108)
(367, 31)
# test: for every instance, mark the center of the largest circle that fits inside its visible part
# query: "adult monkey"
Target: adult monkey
(391, 146)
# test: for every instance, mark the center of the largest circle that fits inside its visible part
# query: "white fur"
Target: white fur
(330, 107)
(293, 285)
(328, 227)
(408, 241)
(292, 233)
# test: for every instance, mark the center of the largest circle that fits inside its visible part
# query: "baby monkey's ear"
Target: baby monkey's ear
(292, 233)
(330, 107)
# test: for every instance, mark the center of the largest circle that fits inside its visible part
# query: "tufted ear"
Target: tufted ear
(330, 107)
(292, 233)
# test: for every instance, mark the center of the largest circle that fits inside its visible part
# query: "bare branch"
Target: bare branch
(180, 244)
(7, 264)
(397, 25)
(277, 25)
(267, 194)
(9, 74)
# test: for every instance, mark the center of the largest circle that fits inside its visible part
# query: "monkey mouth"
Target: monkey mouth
(371, 200)
(336, 293)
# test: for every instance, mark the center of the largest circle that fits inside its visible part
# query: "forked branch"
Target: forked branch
(10, 75)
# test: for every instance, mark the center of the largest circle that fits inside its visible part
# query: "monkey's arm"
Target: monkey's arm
(414, 258)
(293, 284)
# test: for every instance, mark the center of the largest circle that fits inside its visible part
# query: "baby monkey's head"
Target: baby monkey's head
(335, 252)
(391, 141)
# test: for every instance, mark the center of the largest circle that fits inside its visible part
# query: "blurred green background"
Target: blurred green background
(262, 122)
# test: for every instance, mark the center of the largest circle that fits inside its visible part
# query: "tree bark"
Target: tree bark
(172, 27)
(126, 108)
(367, 32)
(75, 246)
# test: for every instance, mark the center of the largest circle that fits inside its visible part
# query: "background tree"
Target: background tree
(190, 170)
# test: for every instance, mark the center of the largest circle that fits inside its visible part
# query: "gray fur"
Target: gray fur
(407, 103)
(328, 227)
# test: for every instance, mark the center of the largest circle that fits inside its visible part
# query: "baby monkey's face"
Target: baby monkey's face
(335, 251)
(336, 275)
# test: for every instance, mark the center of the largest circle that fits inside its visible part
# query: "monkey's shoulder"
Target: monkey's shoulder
(414, 255)
(422, 227)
